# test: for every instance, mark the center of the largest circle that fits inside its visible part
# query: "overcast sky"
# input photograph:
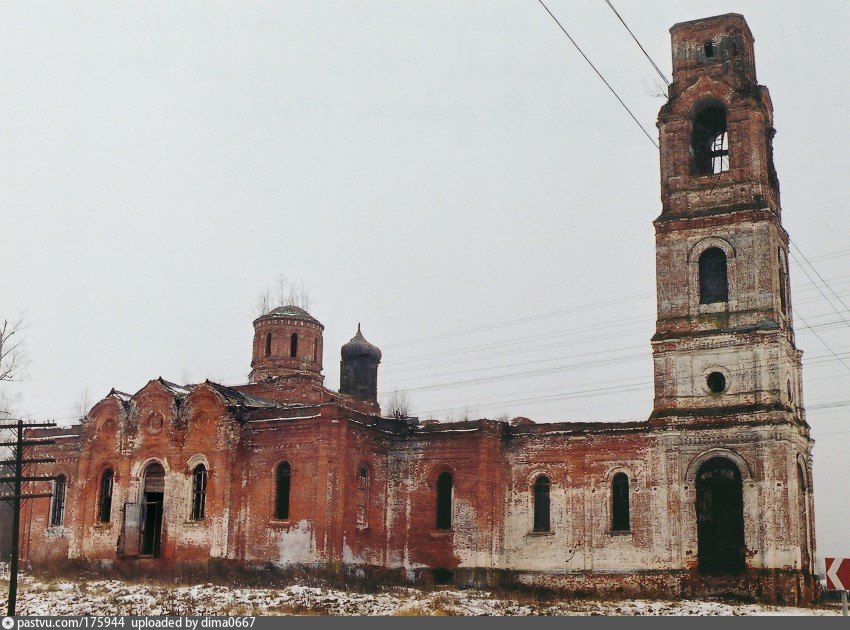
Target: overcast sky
(452, 175)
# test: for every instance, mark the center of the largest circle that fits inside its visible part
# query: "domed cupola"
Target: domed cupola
(359, 368)
(287, 341)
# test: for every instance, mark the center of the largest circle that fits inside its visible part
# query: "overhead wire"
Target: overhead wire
(642, 49)
(599, 74)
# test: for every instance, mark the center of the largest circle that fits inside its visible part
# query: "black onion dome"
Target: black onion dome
(359, 347)
(291, 312)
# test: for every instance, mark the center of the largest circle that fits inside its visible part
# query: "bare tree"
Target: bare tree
(398, 405)
(11, 357)
(264, 302)
(83, 404)
(285, 294)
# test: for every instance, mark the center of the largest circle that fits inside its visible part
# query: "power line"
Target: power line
(825, 283)
(645, 54)
(599, 74)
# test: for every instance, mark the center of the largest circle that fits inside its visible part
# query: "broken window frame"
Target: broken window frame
(104, 501)
(710, 141)
(200, 477)
(57, 507)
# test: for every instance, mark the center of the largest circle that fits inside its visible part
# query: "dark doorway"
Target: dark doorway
(152, 501)
(720, 517)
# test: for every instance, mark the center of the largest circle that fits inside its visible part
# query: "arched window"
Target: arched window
(620, 503)
(293, 345)
(363, 496)
(541, 504)
(268, 344)
(444, 501)
(104, 502)
(57, 512)
(709, 141)
(284, 479)
(199, 492)
(713, 281)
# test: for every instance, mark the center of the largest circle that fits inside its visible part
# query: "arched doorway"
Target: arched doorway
(153, 495)
(720, 516)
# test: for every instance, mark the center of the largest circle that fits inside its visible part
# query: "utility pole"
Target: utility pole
(17, 497)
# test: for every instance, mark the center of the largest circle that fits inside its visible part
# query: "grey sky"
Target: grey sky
(421, 167)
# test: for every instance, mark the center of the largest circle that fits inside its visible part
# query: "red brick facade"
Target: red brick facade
(718, 495)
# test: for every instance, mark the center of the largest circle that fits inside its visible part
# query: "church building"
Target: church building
(711, 494)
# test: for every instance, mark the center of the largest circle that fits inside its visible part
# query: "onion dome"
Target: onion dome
(359, 347)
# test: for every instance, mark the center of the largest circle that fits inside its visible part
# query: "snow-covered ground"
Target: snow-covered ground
(112, 597)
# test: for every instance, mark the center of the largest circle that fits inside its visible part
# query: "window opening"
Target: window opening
(716, 382)
(293, 345)
(541, 504)
(199, 492)
(709, 142)
(57, 514)
(708, 48)
(713, 278)
(620, 503)
(268, 344)
(444, 501)
(284, 480)
(104, 507)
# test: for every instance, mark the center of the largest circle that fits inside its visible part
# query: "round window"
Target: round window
(716, 382)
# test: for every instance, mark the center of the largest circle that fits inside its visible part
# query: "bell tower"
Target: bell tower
(724, 342)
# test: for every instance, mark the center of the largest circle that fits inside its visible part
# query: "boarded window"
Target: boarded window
(444, 501)
(199, 492)
(293, 345)
(104, 503)
(363, 497)
(284, 479)
(541, 504)
(57, 512)
(709, 142)
(620, 503)
(268, 344)
(713, 282)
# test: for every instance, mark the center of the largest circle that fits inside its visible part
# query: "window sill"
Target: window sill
(535, 533)
(282, 522)
(442, 533)
(103, 525)
(621, 532)
(194, 522)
